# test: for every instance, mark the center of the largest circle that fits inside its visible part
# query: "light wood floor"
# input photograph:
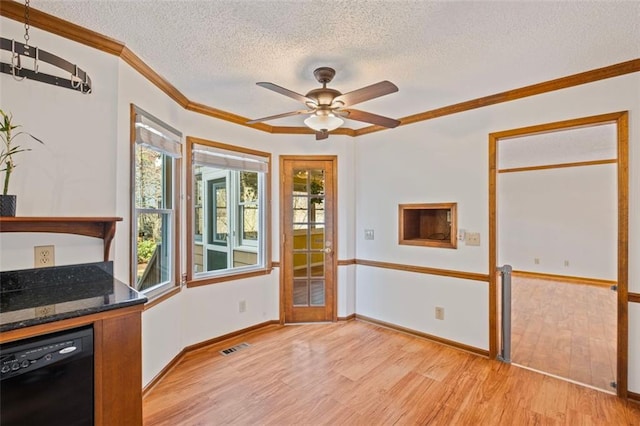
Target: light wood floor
(355, 373)
(565, 329)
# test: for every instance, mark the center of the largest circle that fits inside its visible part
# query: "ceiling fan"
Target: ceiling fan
(327, 106)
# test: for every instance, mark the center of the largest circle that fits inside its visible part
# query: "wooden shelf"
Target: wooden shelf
(97, 227)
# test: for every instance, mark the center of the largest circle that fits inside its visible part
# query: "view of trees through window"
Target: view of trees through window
(153, 205)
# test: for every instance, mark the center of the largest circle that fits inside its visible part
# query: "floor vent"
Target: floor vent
(234, 349)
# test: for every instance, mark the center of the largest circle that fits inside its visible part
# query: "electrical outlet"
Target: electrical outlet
(368, 234)
(566, 263)
(242, 306)
(43, 256)
(45, 311)
(536, 260)
(472, 238)
(439, 313)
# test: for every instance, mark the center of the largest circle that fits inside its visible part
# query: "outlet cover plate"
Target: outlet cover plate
(472, 238)
(43, 256)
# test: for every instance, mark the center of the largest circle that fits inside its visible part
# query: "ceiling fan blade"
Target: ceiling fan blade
(366, 93)
(367, 117)
(290, 93)
(286, 114)
(321, 135)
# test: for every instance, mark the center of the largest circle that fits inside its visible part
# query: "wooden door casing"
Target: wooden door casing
(289, 312)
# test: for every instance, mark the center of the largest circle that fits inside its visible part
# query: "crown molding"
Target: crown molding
(603, 73)
(14, 10)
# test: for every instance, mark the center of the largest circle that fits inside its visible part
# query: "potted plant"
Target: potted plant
(7, 162)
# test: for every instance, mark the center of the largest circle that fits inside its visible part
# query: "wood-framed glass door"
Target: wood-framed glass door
(308, 265)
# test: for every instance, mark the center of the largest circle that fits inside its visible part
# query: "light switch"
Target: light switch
(472, 238)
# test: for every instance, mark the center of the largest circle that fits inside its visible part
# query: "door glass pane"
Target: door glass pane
(300, 181)
(317, 238)
(316, 210)
(300, 239)
(300, 265)
(300, 293)
(317, 264)
(316, 182)
(317, 292)
(221, 228)
(300, 209)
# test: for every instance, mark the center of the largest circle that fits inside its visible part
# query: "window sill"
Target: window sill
(161, 297)
(224, 278)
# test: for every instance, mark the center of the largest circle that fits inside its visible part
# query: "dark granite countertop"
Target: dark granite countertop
(37, 296)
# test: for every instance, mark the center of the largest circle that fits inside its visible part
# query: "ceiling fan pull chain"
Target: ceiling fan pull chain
(26, 25)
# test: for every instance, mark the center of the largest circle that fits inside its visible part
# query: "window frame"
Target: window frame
(172, 212)
(197, 279)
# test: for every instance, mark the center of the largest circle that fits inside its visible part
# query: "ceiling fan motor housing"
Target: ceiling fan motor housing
(323, 97)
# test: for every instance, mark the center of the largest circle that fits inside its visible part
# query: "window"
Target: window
(155, 157)
(228, 209)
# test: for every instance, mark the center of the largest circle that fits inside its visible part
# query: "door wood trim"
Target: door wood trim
(621, 119)
(334, 235)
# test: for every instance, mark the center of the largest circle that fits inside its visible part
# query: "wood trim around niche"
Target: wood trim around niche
(54, 25)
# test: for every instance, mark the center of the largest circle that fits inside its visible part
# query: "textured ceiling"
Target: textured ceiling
(437, 53)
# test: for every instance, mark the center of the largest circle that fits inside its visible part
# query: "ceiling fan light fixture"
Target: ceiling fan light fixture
(323, 123)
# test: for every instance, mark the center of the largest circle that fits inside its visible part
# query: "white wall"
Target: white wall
(84, 170)
(446, 160)
(73, 174)
(558, 215)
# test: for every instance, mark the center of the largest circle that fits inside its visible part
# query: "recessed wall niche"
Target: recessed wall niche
(430, 225)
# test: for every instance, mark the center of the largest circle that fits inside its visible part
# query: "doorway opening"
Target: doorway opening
(559, 218)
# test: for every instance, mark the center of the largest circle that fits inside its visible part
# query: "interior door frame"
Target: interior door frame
(621, 119)
(334, 170)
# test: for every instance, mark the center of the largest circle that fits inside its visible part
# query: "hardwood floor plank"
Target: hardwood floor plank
(568, 330)
(355, 373)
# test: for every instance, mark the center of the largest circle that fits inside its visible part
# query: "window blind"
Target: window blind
(157, 135)
(231, 160)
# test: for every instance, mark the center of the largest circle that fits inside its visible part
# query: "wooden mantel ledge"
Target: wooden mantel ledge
(97, 227)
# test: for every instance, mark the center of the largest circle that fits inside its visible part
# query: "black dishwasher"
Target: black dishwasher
(48, 380)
